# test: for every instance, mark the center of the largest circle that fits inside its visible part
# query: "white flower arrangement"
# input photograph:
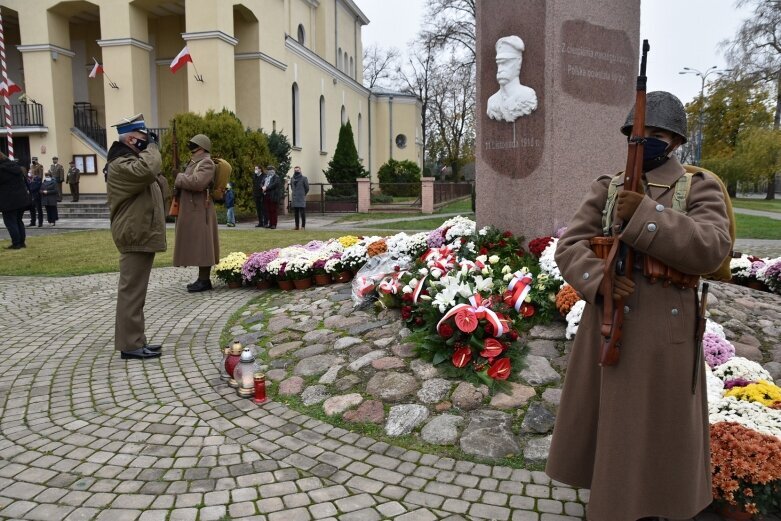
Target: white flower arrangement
(715, 387)
(573, 318)
(333, 266)
(299, 266)
(458, 227)
(274, 266)
(740, 267)
(548, 263)
(751, 415)
(739, 367)
(715, 328)
(355, 256)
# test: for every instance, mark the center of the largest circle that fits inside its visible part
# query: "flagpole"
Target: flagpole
(198, 76)
(6, 100)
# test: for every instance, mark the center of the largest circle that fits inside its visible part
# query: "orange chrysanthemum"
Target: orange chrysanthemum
(566, 298)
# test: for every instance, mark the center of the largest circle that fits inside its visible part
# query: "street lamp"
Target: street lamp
(703, 76)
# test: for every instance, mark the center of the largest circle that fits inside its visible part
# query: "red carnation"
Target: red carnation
(502, 243)
(500, 369)
(406, 297)
(419, 321)
(507, 234)
(462, 356)
(538, 245)
(446, 330)
(513, 335)
(483, 251)
(406, 312)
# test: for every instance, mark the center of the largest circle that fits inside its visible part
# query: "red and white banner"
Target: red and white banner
(9, 88)
(97, 69)
(181, 59)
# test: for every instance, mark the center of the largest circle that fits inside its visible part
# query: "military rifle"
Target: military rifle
(620, 259)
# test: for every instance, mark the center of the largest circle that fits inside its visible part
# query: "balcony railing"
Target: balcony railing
(85, 118)
(25, 115)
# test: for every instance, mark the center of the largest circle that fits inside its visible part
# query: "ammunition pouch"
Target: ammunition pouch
(653, 269)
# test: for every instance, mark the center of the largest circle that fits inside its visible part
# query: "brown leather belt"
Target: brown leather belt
(653, 269)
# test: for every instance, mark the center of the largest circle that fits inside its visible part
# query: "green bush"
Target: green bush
(399, 178)
(345, 167)
(381, 199)
(242, 148)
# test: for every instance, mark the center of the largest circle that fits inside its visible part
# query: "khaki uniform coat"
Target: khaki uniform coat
(634, 433)
(196, 243)
(135, 193)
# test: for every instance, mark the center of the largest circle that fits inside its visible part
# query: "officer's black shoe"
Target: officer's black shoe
(193, 284)
(258, 226)
(155, 348)
(142, 353)
(200, 285)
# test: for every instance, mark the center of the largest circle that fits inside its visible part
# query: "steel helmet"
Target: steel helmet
(202, 141)
(662, 110)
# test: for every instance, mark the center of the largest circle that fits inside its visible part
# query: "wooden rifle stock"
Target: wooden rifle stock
(620, 260)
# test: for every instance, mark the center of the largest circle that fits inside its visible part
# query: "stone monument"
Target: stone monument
(555, 80)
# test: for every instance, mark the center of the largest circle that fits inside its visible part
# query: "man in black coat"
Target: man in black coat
(34, 186)
(258, 179)
(14, 201)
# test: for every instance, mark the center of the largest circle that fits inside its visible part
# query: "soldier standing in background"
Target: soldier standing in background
(73, 181)
(58, 174)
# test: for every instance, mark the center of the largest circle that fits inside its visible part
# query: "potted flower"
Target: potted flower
(322, 277)
(771, 275)
(336, 269)
(746, 471)
(277, 271)
(255, 272)
(229, 268)
(299, 270)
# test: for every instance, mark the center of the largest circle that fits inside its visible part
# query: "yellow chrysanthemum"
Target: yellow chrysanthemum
(762, 392)
(347, 240)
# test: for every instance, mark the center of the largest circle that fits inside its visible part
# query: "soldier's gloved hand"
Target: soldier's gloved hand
(153, 138)
(622, 287)
(627, 204)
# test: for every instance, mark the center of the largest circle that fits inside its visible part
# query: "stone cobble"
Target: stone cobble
(86, 435)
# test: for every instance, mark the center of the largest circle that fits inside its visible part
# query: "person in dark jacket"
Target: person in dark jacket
(14, 201)
(49, 194)
(299, 187)
(257, 193)
(36, 209)
(272, 187)
(136, 191)
(230, 202)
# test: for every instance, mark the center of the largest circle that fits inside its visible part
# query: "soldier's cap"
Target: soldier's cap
(509, 47)
(72, 162)
(132, 124)
(35, 159)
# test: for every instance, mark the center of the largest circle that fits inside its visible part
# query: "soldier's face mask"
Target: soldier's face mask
(141, 144)
(654, 153)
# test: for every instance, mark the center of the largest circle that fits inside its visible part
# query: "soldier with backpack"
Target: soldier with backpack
(196, 242)
(636, 433)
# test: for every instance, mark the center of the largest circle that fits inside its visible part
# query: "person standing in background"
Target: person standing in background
(58, 174)
(73, 181)
(14, 201)
(299, 187)
(258, 179)
(49, 195)
(230, 202)
(271, 191)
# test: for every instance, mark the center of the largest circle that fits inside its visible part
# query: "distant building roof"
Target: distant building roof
(382, 91)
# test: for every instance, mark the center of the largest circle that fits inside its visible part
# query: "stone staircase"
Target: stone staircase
(90, 206)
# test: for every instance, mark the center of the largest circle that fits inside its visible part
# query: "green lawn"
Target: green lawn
(752, 227)
(758, 204)
(84, 252)
(462, 206)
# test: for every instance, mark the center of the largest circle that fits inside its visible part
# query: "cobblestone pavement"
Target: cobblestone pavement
(86, 435)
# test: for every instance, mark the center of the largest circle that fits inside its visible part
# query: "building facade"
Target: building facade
(290, 65)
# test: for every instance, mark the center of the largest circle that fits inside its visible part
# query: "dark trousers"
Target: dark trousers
(51, 213)
(36, 209)
(261, 209)
(134, 270)
(271, 212)
(14, 223)
(59, 191)
(300, 212)
(75, 192)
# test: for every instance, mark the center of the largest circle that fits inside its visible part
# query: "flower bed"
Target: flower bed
(757, 273)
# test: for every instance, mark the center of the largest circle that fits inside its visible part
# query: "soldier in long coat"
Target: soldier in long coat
(58, 174)
(634, 433)
(136, 191)
(196, 242)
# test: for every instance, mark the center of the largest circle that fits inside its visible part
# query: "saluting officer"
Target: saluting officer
(136, 191)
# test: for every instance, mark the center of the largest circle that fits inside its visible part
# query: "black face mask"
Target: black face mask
(654, 153)
(141, 145)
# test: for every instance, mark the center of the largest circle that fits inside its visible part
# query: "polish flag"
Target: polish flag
(6, 89)
(97, 69)
(181, 58)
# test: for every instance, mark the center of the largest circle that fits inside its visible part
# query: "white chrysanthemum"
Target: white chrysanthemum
(740, 267)
(573, 318)
(458, 227)
(715, 328)
(547, 261)
(739, 367)
(751, 415)
(715, 386)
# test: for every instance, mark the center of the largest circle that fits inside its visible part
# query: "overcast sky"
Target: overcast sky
(682, 33)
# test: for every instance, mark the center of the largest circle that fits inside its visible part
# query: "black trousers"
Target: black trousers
(36, 209)
(260, 207)
(14, 223)
(51, 213)
(300, 212)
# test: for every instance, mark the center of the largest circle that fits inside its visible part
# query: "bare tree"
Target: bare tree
(415, 77)
(453, 24)
(452, 100)
(379, 63)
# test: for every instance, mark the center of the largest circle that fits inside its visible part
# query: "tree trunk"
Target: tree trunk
(732, 189)
(777, 118)
(770, 194)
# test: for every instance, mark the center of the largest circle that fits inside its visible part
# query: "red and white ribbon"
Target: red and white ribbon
(418, 290)
(520, 286)
(389, 285)
(365, 285)
(481, 310)
(6, 101)
(471, 265)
